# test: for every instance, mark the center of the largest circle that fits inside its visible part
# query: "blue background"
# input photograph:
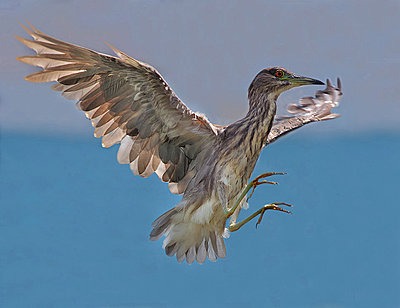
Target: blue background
(75, 226)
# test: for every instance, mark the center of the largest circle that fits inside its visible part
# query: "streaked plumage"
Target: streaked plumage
(130, 103)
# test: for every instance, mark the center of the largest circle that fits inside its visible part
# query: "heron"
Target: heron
(129, 103)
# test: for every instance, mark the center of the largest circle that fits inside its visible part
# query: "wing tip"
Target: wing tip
(115, 50)
(328, 83)
(21, 59)
(26, 42)
(124, 57)
(32, 31)
(25, 59)
(32, 27)
(21, 39)
(29, 31)
(339, 84)
(33, 78)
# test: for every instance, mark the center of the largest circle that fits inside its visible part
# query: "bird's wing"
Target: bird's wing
(308, 110)
(128, 102)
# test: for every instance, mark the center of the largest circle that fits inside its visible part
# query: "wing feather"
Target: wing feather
(308, 110)
(128, 102)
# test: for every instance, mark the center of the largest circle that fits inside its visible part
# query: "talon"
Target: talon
(265, 175)
(282, 203)
(277, 208)
(260, 218)
(252, 191)
(256, 182)
(281, 209)
(267, 182)
(272, 206)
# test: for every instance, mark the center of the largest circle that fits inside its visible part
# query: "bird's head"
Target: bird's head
(275, 80)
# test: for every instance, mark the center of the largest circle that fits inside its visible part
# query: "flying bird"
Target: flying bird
(129, 102)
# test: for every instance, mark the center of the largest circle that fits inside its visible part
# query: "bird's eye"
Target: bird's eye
(279, 73)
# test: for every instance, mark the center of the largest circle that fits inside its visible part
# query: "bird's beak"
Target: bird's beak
(301, 81)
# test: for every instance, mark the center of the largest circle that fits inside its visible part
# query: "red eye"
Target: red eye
(279, 73)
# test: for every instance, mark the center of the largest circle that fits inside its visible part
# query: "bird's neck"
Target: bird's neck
(262, 109)
(252, 131)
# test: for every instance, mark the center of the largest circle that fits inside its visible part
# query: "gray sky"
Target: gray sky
(209, 52)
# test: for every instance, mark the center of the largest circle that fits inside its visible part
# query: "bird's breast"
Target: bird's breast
(235, 174)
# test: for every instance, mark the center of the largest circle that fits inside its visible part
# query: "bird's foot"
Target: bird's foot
(251, 185)
(256, 182)
(272, 206)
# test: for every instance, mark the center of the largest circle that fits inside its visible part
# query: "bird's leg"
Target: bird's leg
(251, 185)
(273, 206)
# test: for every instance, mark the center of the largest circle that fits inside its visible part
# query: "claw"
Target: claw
(256, 182)
(272, 206)
(264, 175)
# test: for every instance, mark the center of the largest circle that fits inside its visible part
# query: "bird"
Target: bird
(129, 103)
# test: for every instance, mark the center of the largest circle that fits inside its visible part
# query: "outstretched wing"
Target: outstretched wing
(128, 102)
(308, 110)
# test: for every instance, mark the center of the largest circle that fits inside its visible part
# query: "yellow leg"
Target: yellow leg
(252, 184)
(273, 206)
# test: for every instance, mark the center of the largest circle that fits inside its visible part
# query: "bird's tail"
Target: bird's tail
(187, 239)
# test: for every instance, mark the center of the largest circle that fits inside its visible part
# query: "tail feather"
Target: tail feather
(201, 253)
(161, 224)
(188, 240)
